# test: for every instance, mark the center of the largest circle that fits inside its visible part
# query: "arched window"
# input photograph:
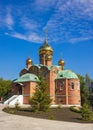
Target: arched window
(44, 74)
(61, 86)
(72, 86)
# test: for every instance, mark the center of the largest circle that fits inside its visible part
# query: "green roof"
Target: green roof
(41, 65)
(57, 66)
(37, 65)
(66, 74)
(48, 67)
(27, 77)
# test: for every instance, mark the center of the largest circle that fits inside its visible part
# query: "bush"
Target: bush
(17, 107)
(75, 109)
(86, 113)
(11, 111)
(52, 117)
(6, 109)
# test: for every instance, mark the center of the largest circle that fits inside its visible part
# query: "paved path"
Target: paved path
(15, 122)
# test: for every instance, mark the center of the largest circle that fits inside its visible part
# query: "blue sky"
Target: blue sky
(70, 33)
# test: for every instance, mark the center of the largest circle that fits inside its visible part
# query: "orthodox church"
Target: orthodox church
(64, 85)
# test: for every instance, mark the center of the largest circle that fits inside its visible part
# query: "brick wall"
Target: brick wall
(68, 95)
(74, 94)
(28, 91)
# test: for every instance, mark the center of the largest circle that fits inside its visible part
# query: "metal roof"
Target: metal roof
(27, 77)
(66, 74)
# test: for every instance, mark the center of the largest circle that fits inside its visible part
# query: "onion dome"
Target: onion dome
(45, 48)
(61, 62)
(28, 61)
(49, 57)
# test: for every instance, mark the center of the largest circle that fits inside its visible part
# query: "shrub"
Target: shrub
(75, 109)
(52, 117)
(86, 113)
(11, 111)
(17, 107)
(6, 109)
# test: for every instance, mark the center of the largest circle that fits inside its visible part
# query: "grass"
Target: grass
(62, 114)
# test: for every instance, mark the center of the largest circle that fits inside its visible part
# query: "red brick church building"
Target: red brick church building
(64, 85)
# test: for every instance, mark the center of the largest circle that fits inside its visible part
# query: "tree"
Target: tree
(86, 112)
(87, 80)
(5, 87)
(84, 91)
(41, 99)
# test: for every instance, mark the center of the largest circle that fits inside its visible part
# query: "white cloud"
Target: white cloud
(9, 21)
(87, 7)
(75, 40)
(28, 24)
(6, 18)
(18, 35)
(67, 21)
(33, 37)
(70, 20)
(44, 5)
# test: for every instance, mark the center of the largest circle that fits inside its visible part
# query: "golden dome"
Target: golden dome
(28, 61)
(49, 57)
(45, 48)
(61, 62)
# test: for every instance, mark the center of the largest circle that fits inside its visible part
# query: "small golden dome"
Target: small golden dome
(61, 62)
(45, 48)
(28, 61)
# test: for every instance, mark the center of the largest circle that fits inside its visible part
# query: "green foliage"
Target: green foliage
(40, 100)
(87, 79)
(12, 112)
(52, 117)
(86, 113)
(75, 109)
(84, 91)
(17, 107)
(6, 109)
(9, 110)
(5, 87)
